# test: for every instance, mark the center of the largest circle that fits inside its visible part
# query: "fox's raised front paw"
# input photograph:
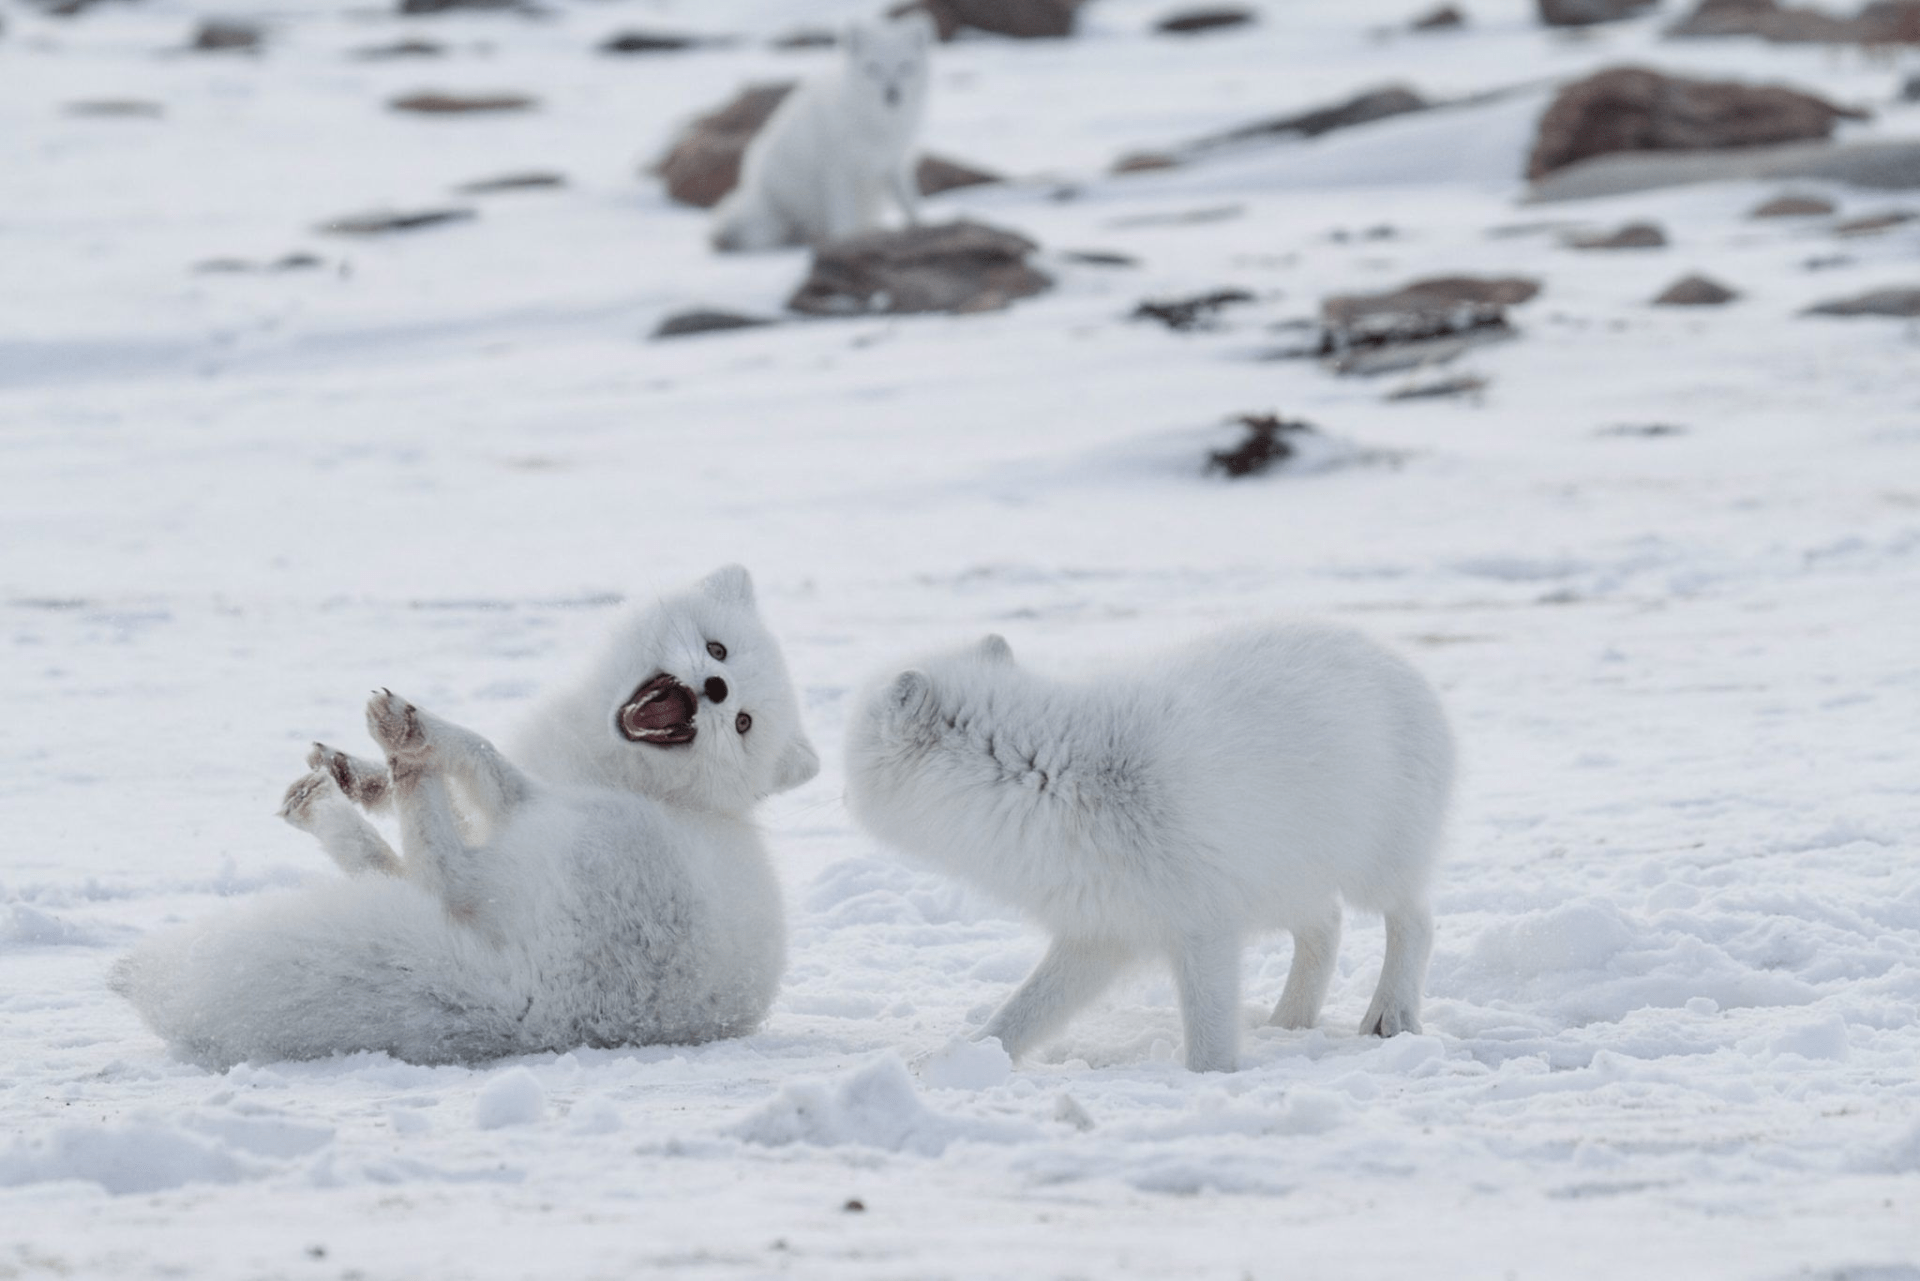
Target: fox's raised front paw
(366, 784)
(297, 806)
(395, 725)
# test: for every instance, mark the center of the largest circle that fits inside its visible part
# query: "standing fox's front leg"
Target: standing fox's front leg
(421, 750)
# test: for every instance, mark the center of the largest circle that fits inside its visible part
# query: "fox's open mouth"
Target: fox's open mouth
(660, 711)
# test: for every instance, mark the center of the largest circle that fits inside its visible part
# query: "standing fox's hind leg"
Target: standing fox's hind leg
(317, 805)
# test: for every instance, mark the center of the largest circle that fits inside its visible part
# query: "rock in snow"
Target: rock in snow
(1877, 302)
(1634, 235)
(1587, 13)
(1022, 19)
(954, 267)
(1695, 291)
(1883, 22)
(1632, 109)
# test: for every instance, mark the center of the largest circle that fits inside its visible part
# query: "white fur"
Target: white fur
(836, 147)
(1248, 782)
(613, 893)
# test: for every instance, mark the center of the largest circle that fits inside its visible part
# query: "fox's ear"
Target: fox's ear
(910, 694)
(729, 583)
(994, 648)
(797, 764)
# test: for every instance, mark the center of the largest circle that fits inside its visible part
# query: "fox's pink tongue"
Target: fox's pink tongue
(661, 711)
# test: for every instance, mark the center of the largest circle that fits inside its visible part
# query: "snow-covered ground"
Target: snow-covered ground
(1674, 1012)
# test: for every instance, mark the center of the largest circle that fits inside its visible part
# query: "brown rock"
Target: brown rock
(454, 104)
(400, 49)
(1695, 291)
(416, 7)
(536, 180)
(1022, 19)
(1365, 108)
(704, 164)
(806, 38)
(383, 223)
(1872, 224)
(1793, 207)
(224, 35)
(1445, 18)
(1587, 13)
(1429, 322)
(1264, 445)
(1434, 296)
(1197, 312)
(1145, 162)
(1880, 302)
(935, 174)
(1882, 22)
(706, 321)
(1191, 21)
(1632, 109)
(626, 42)
(1634, 235)
(958, 267)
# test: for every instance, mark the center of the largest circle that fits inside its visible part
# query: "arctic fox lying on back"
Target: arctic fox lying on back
(616, 894)
(1248, 782)
(819, 169)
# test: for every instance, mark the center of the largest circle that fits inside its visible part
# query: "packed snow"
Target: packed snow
(1663, 569)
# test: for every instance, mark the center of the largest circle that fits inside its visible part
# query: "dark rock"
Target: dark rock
(1445, 18)
(1099, 258)
(400, 49)
(1365, 108)
(1880, 302)
(1695, 291)
(1441, 388)
(454, 104)
(224, 35)
(1884, 22)
(1885, 164)
(1264, 445)
(116, 108)
(539, 180)
(854, 1205)
(935, 174)
(417, 7)
(649, 42)
(1793, 207)
(1022, 19)
(1630, 109)
(381, 223)
(1145, 162)
(1427, 322)
(1587, 13)
(1873, 224)
(706, 321)
(704, 164)
(297, 262)
(958, 267)
(1910, 88)
(1201, 311)
(1634, 235)
(68, 8)
(1191, 21)
(807, 38)
(235, 266)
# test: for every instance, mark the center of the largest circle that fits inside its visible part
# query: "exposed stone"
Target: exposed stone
(706, 321)
(454, 104)
(1365, 108)
(1882, 22)
(1201, 311)
(1425, 323)
(960, 267)
(116, 108)
(1440, 388)
(400, 49)
(1264, 445)
(383, 222)
(1145, 162)
(1880, 302)
(1910, 88)
(1630, 109)
(1695, 291)
(225, 35)
(622, 42)
(1791, 206)
(935, 174)
(416, 7)
(1587, 13)
(538, 180)
(1445, 18)
(1873, 224)
(1634, 235)
(1435, 296)
(806, 38)
(1191, 21)
(1888, 164)
(1022, 19)
(1099, 258)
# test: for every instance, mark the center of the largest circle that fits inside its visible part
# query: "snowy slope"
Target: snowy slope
(1674, 1012)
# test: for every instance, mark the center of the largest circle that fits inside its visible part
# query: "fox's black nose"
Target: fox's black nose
(716, 690)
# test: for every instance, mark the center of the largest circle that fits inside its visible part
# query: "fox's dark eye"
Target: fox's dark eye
(718, 650)
(743, 722)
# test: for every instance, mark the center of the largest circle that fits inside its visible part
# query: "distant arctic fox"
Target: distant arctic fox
(613, 891)
(819, 169)
(1247, 782)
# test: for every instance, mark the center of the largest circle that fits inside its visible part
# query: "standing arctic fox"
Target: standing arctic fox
(835, 147)
(1250, 781)
(612, 892)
